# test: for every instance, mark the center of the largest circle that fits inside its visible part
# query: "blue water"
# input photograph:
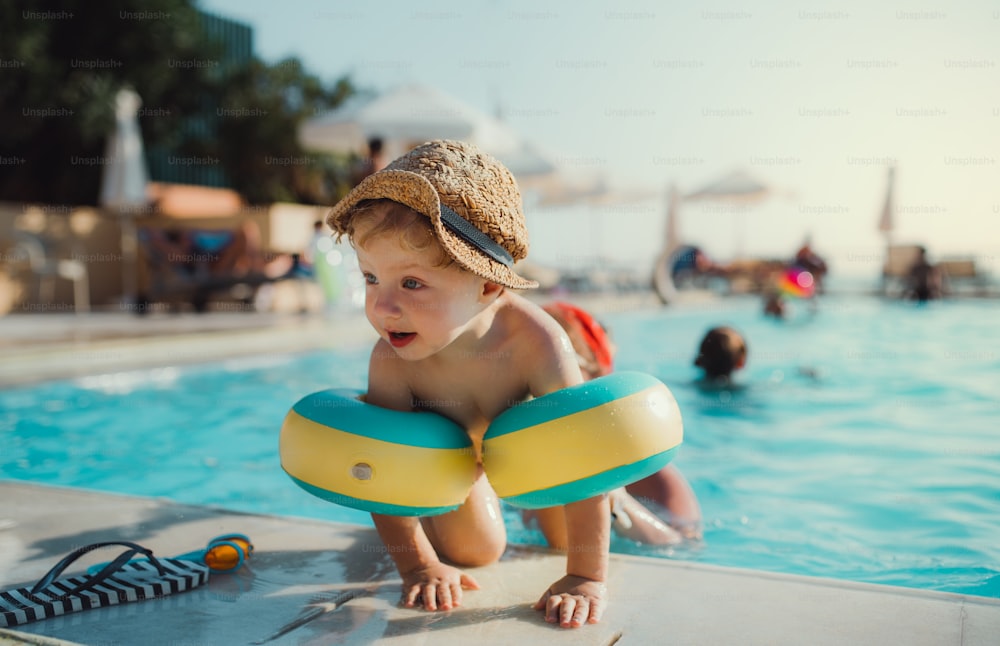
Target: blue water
(862, 443)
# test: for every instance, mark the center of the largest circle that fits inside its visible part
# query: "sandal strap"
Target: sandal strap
(105, 572)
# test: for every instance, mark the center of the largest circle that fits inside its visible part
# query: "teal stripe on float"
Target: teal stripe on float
(370, 505)
(340, 409)
(568, 401)
(592, 485)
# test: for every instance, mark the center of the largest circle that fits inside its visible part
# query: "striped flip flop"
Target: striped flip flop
(120, 581)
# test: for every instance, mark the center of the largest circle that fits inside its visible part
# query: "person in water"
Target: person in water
(723, 351)
(665, 493)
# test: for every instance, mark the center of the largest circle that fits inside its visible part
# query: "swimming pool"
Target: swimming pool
(863, 445)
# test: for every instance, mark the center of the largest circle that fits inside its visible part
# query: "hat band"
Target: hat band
(468, 232)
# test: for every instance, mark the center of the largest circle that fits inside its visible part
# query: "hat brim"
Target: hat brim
(416, 191)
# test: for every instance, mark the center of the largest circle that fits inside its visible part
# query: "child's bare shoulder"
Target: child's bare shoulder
(546, 353)
(530, 326)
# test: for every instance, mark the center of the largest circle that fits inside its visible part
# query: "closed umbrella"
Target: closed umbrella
(673, 234)
(124, 182)
(886, 222)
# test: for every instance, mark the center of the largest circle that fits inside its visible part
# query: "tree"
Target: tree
(262, 109)
(62, 67)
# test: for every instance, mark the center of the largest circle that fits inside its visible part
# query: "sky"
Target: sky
(814, 99)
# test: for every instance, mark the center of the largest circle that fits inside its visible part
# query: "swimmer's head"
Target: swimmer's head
(722, 351)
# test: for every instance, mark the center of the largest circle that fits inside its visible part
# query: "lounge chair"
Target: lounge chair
(961, 273)
(168, 279)
(896, 270)
(958, 274)
(43, 263)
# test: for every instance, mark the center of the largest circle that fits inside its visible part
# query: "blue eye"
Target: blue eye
(410, 283)
(370, 279)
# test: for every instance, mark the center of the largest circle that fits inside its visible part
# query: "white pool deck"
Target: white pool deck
(312, 582)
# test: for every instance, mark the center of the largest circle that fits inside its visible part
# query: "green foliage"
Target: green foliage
(61, 69)
(262, 109)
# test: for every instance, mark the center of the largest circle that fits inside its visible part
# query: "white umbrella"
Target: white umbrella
(673, 233)
(737, 187)
(886, 223)
(412, 114)
(123, 184)
(663, 283)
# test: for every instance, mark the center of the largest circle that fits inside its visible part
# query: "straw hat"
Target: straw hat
(471, 199)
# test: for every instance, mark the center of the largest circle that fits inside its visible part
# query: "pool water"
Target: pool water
(861, 442)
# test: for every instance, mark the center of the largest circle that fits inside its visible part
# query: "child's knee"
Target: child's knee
(474, 553)
(466, 538)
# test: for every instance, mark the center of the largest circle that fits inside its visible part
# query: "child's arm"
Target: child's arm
(580, 596)
(426, 579)
(588, 528)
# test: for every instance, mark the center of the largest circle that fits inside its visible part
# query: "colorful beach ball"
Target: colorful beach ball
(797, 283)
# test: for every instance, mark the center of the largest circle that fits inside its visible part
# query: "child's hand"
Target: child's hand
(437, 586)
(573, 600)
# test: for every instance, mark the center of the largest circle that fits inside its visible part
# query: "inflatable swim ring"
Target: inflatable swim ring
(798, 283)
(583, 440)
(383, 461)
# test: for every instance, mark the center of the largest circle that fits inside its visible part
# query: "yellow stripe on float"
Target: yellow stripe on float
(400, 474)
(582, 444)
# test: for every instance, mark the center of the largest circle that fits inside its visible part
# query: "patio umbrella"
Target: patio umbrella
(738, 188)
(412, 114)
(123, 184)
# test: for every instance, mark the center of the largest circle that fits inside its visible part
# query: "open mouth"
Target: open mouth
(400, 339)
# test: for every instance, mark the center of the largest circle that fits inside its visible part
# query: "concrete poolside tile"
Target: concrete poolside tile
(315, 582)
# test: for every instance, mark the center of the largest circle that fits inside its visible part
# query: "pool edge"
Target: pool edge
(700, 603)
